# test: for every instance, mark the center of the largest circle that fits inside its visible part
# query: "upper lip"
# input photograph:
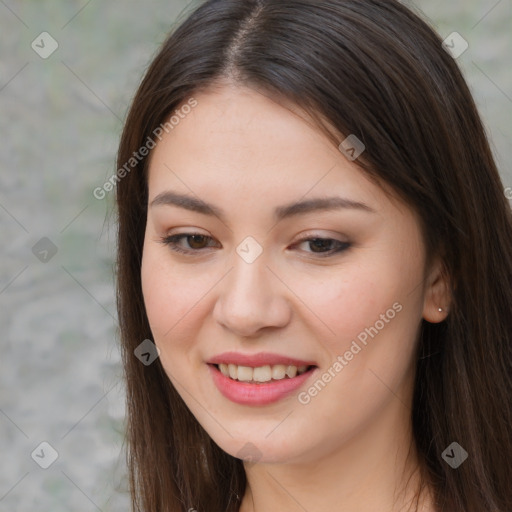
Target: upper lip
(256, 360)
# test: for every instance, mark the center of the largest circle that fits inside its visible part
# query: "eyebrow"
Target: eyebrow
(194, 204)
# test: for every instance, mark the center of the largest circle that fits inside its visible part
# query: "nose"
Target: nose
(251, 298)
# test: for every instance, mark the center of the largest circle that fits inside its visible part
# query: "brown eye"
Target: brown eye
(321, 244)
(195, 242)
(325, 247)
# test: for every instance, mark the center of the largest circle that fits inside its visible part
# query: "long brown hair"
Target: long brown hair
(374, 69)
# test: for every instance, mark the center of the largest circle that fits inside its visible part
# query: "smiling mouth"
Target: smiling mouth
(261, 374)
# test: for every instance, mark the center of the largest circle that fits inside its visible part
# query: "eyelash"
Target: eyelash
(172, 242)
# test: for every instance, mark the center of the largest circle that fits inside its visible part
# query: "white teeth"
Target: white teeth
(233, 371)
(261, 373)
(244, 373)
(278, 371)
(291, 371)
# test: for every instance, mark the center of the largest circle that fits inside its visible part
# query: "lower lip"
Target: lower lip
(257, 394)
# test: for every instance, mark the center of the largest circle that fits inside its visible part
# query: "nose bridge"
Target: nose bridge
(249, 280)
(249, 298)
(250, 273)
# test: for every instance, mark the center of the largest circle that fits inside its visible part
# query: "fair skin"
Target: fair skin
(346, 449)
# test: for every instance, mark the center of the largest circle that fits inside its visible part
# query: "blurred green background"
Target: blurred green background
(61, 117)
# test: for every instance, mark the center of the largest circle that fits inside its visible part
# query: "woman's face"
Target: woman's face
(269, 284)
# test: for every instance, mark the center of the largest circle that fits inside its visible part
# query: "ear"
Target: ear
(437, 294)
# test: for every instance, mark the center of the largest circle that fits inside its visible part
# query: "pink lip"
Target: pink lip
(257, 394)
(255, 360)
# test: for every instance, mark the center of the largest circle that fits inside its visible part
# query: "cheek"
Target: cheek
(169, 296)
(348, 300)
(369, 310)
(178, 299)
(375, 319)
(369, 359)
(172, 302)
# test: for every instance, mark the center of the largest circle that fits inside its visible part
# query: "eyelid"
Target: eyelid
(168, 241)
(304, 237)
(172, 241)
(326, 236)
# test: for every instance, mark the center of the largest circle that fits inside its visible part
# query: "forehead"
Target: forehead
(237, 138)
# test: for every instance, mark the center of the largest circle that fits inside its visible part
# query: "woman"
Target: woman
(314, 234)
